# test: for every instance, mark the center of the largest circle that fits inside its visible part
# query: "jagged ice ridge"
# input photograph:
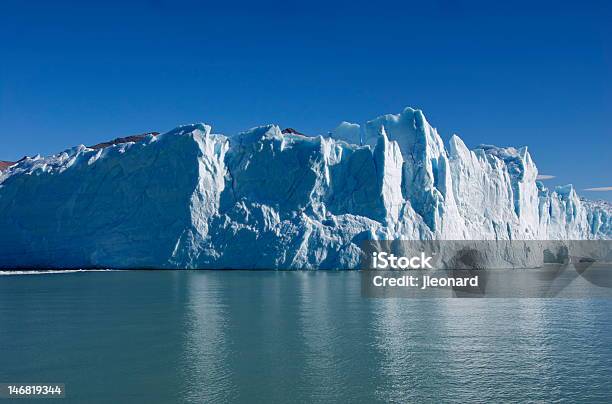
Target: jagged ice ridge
(266, 199)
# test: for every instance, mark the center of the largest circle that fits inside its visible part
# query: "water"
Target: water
(294, 337)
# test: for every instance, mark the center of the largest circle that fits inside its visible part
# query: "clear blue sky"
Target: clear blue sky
(507, 74)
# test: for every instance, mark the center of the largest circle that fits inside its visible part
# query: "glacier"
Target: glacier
(264, 199)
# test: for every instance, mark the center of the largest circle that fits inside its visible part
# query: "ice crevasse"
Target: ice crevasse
(266, 199)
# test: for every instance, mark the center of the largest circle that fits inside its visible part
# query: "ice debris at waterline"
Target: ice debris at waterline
(266, 199)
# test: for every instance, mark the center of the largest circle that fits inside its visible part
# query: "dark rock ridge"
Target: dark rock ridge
(292, 131)
(120, 140)
(4, 165)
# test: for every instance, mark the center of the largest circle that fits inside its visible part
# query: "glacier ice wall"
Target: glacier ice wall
(266, 199)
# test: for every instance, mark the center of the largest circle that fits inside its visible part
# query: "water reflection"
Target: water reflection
(204, 356)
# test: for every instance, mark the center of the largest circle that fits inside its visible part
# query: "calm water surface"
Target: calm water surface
(294, 337)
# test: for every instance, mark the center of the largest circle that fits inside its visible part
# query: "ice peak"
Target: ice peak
(457, 147)
(347, 131)
(200, 128)
(258, 133)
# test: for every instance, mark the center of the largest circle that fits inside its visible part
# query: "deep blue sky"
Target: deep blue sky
(507, 74)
